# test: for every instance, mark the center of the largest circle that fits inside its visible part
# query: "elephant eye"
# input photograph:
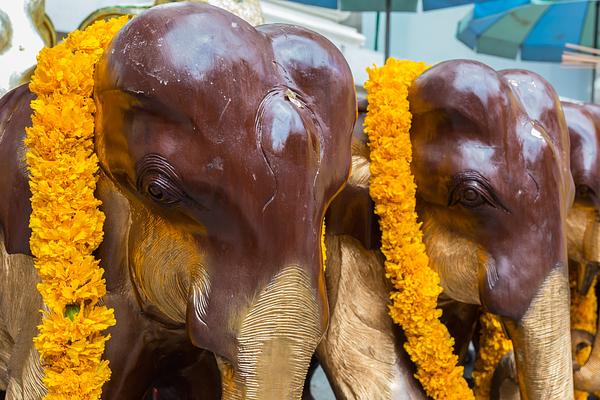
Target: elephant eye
(157, 180)
(471, 198)
(471, 190)
(469, 195)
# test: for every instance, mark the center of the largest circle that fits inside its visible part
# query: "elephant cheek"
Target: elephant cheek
(276, 341)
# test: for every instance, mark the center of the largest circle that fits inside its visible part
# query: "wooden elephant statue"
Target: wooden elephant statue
(490, 150)
(583, 122)
(584, 224)
(491, 163)
(220, 147)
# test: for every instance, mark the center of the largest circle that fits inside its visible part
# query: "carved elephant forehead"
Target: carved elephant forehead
(226, 102)
(466, 118)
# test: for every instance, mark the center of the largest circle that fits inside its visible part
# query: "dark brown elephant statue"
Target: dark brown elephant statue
(220, 146)
(493, 190)
(493, 193)
(543, 106)
(583, 122)
(584, 224)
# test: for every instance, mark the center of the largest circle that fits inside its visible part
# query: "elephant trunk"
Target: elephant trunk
(276, 341)
(541, 341)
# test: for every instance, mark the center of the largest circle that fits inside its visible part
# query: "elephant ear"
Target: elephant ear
(15, 207)
(542, 104)
(352, 212)
(584, 137)
(314, 67)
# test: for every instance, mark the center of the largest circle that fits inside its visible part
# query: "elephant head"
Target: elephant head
(229, 142)
(220, 148)
(583, 224)
(493, 192)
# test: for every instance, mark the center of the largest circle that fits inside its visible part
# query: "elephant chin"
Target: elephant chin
(276, 341)
(541, 340)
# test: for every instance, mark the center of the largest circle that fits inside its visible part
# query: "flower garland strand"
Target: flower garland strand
(392, 187)
(66, 223)
(493, 345)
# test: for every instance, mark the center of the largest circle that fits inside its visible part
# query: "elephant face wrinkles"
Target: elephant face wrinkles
(492, 187)
(229, 150)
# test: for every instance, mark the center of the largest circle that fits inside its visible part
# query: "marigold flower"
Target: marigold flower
(392, 187)
(65, 221)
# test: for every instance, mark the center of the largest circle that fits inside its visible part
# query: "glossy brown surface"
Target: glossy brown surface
(15, 207)
(353, 211)
(584, 130)
(489, 173)
(584, 226)
(490, 159)
(489, 154)
(220, 151)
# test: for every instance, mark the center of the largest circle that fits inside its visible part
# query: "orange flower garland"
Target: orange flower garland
(65, 221)
(493, 345)
(392, 187)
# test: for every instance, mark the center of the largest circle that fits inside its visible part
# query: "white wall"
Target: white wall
(421, 36)
(430, 37)
(66, 15)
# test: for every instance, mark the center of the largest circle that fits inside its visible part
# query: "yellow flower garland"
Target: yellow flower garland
(493, 345)
(392, 187)
(65, 221)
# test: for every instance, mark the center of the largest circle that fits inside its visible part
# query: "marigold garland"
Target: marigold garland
(392, 187)
(493, 345)
(65, 221)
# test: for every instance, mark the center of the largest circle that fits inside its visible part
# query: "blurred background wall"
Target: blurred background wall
(421, 36)
(430, 37)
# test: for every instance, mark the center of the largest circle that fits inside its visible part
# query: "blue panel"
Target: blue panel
(560, 24)
(320, 3)
(470, 30)
(542, 53)
(435, 4)
(488, 8)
